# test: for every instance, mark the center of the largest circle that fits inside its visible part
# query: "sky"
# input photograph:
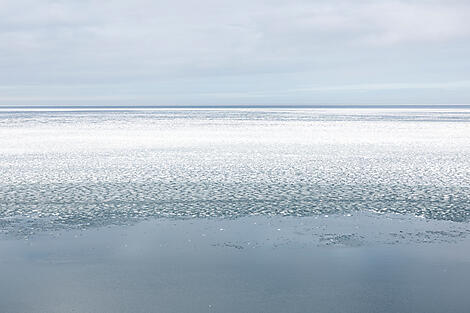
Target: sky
(243, 52)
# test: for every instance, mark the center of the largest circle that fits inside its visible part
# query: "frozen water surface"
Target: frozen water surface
(234, 210)
(83, 168)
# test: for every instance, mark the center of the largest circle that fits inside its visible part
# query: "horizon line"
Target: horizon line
(239, 106)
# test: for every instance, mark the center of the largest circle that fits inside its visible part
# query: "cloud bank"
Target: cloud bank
(234, 52)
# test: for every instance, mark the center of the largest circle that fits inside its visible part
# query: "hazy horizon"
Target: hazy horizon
(234, 106)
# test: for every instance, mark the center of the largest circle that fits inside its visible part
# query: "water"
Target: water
(234, 209)
(351, 264)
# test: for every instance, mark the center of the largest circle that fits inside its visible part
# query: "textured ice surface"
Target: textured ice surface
(77, 169)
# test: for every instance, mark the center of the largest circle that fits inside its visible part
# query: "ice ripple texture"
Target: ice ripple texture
(62, 169)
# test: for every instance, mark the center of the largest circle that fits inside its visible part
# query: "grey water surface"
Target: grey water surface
(234, 210)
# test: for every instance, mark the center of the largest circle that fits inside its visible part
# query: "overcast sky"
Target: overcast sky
(234, 52)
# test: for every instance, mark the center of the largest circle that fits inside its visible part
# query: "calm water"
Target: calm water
(234, 210)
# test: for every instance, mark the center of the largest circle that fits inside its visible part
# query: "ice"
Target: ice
(79, 169)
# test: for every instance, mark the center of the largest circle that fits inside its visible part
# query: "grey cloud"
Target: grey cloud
(145, 45)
